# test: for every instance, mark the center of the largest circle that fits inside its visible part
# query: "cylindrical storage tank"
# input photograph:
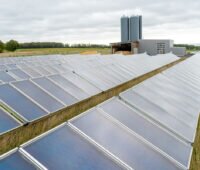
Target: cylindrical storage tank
(140, 36)
(134, 28)
(124, 29)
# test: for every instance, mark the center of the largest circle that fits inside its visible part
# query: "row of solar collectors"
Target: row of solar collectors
(30, 98)
(10, 63)
(141, 133)
(111, 136)
(176, 94)
(37, 97)
(170, 102)
(74, 60)
(34, 69)
(34, 72)
(24, 59)
(140, 66)
(40, 61)
(50, 58)
(34, 95)
(104, 77)
(161, 108)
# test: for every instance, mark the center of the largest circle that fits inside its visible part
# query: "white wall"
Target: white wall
(150, 46)
(179, 51)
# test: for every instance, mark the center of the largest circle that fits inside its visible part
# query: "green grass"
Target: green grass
(192, 51)
(47, 51)
(195, 163)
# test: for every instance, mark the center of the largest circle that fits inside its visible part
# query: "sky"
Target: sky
(97, 21)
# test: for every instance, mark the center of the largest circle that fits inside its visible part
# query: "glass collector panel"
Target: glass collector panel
(130, 118)
(31, 72)
(3, 67)
(173, 91)
(96, 80)
(40, 96)
(70, 87)
(15, 162)
(64, 149)
(42, 70)
(55, 90)
(176, 85)
(121, 143)
(82, 83)
(105, 76)
(5, 77)
(159, 100)
(7, 122)
(158, 114)
(118, 78)
(19, 73)
(20, 103)
(174, 98)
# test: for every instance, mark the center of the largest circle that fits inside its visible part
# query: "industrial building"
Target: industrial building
(132, 41)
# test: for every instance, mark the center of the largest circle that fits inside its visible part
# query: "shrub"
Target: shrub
(12, 45)
(1, 46)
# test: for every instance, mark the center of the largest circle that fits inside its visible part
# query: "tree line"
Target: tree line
(89, 46)
(41, 45)
(59, 45)
(189, 47)
(13, 45)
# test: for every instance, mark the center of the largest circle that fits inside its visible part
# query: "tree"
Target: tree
(1, 46)
(12, 45)
(41, 45)
(67, 45)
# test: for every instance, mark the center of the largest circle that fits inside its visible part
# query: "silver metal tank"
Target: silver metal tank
(134, 28)
(140, 35)
(124, 29)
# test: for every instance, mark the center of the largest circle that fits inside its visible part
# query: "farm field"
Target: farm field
(47, 51)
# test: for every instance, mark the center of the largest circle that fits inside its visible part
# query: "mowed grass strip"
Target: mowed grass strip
(48, 51)
(195, 163)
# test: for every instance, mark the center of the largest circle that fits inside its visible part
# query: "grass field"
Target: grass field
(47, 51)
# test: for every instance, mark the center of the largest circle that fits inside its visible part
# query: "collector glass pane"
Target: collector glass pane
(19, 73)
(82, 83)
(55, 90)
(121, 143)
(159, 115)
(5, 77)
(20, 103)
(7, 122)
(64, 149)
(148, 130)
(31, 72)
(70, 87)
(16, 162)
(40, 96)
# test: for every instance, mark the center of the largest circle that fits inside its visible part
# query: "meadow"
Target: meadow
(48, 51)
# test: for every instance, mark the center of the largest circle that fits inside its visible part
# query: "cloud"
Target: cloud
(96, 21)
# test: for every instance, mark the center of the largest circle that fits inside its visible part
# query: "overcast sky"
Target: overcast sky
(97, 21)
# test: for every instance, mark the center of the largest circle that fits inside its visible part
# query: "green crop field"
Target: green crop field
(47, 51)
